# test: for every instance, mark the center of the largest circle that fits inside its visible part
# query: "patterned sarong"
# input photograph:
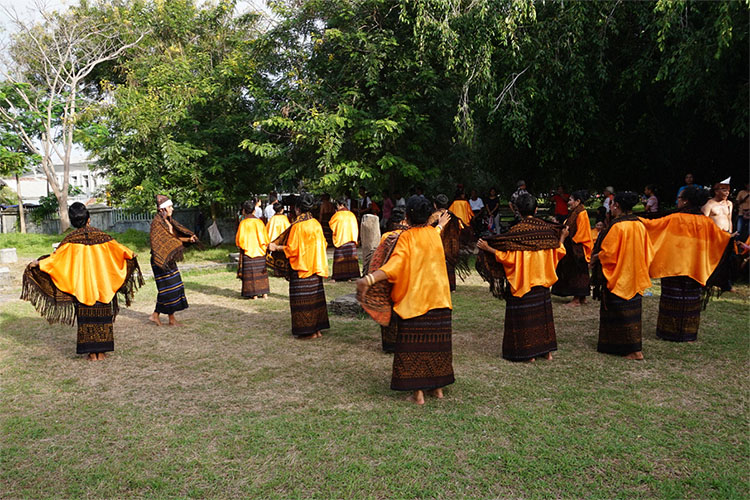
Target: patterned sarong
(423, 358)
(307, 300)
(254, 276)
(345, 262)
(572, 277)
(451, 275)
(171, 297)
(95, 331)
(679, 309)
(619, 324)
(529, 325)
(388, 335)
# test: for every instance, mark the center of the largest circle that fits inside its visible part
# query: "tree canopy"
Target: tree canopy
(213, 105)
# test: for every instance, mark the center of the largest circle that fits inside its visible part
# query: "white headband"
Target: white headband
(727, 180)
(166, 204)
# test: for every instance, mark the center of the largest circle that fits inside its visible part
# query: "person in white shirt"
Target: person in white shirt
(270, 212)
(475, 202)
(399, 200)
(258, 212)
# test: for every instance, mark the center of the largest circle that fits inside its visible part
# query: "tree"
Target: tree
(42, 95)
(15, 160)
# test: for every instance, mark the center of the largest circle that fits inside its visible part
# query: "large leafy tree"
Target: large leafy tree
(178, 106)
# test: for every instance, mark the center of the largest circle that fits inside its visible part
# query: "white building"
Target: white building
(34, 184)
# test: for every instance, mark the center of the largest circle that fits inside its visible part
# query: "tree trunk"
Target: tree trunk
(21, 214)
(62, 201)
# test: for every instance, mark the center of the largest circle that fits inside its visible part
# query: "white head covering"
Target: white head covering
(726, 181)
(166, 204)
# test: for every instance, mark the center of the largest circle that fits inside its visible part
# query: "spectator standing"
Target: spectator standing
(475, 202)
(493, 205)
(269, 211)
(743, 211)
(520, 189)
(652, 202)
(560, 198)
(688, 182)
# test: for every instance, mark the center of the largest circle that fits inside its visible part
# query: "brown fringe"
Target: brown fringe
(52, 304)
(277, 261)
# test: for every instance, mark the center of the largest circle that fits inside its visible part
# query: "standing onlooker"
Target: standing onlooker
(719, 208)
(387, 208)
(560, 198)
(363, 203)
(743, 211)
(688, 182)
(605, 211)
(399, 200)
(258, 212)
(493, 206)
(521, 189)
(270, 211)
(475, 202)
(652, 202)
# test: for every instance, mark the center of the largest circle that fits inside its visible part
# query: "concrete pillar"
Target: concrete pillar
(369, 237)
(8, 256)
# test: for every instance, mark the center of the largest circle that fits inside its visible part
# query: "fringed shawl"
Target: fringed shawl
(530, 234)
(57, 306)
(166, 247)
(377, 300)
(277, 260)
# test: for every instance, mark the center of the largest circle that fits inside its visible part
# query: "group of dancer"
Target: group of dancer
(409, 277)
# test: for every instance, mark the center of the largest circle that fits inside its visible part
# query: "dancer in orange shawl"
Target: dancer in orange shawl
(573, 270)
(345, 234)
(461, 208)
(528, 253)
(252, 241)
(278, 223)
(413, 281)
(621, 261)
(79, 283)
(688, 248)
(168, 238)
(299, 255)
(452, 235)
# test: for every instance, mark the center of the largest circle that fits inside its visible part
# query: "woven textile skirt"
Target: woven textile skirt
(345, 262)
(388, 334)
(451, 276)
(307, 300)
(573, 278)
(254, 276)
(529, 325)
(423, 358)
(679, 309)
(619, 324)
(95, 330)
(171, 297)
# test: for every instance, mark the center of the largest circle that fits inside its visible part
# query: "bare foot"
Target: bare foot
(638, 355)
(573, 303)
(417, 397)
(548, 356)
(92, 356)
(264, 296)
(307, 337)
(438, 393)
(530, 360)
(253, 297)
(318, 335)
(173, 321)
(154, 318)
(101, 356)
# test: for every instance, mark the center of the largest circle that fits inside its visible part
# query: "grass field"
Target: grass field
(229, 405)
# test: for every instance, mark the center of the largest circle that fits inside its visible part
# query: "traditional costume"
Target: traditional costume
(462, 210)
(166, 251)
(528, 253)
(252, 240)
(79, 283)
(417, 292)
(277, 225)
(573, 269)
(454, 238)
(688, 248)
(621, 275)
(304, 264)
(345, 233)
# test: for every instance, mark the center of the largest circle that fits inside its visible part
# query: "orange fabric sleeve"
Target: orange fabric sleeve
(462, 209)
(583, 234)
(527, 269)
(594, 235)
(626, 255)
(343, 225)
(418, 273)
(91, 273)
(685, 245)
(277, 225)
(306, 249)
(252, 237)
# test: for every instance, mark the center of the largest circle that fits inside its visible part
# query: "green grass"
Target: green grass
(31, 246)
(231, 406)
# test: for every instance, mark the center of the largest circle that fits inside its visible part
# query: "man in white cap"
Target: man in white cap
(719, 208)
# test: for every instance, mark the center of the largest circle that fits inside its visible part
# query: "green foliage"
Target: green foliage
(48, 205)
